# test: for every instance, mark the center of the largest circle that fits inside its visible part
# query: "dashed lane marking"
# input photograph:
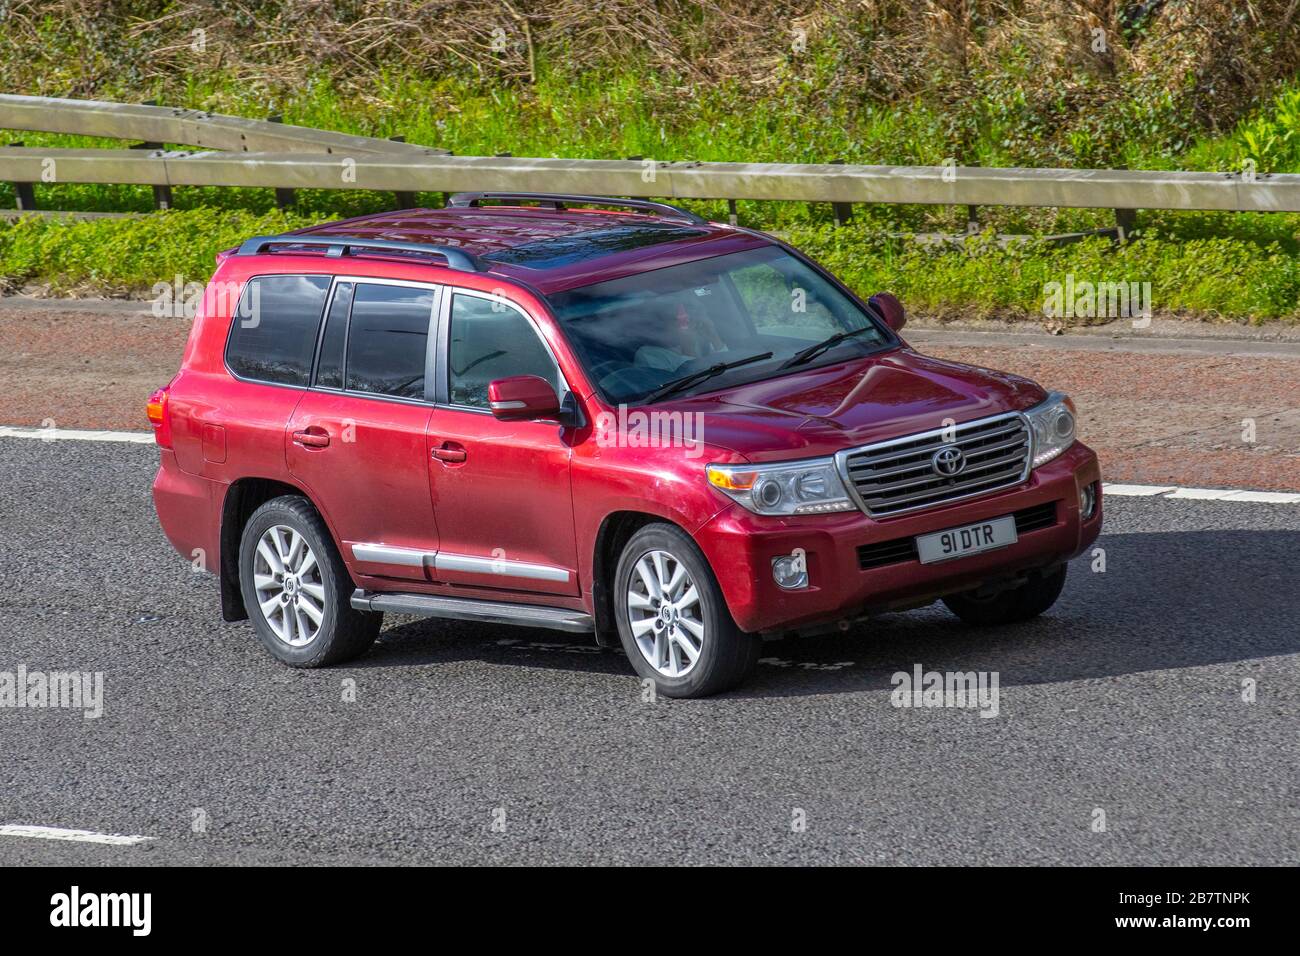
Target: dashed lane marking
(74, 434)
(75, 836)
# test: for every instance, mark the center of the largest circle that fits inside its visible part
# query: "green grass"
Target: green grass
(1206, 278)
(121, 256)
(1210, 278)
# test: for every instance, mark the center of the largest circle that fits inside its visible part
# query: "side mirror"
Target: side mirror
(523, 398)
(890, 309)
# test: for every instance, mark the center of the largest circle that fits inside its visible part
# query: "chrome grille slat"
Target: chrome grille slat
(859, 474)
(896, 476)
(921, 453)
(941, 494)
(932, 478)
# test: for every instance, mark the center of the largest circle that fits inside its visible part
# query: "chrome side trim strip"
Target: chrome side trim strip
(442, 561)
(499, 566)
(384, 554)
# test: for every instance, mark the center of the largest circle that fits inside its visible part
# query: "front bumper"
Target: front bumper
(741, 545)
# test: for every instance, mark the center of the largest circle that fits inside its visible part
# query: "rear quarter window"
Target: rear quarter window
(274, 328)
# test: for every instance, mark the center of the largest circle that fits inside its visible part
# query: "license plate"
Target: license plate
(968, 539)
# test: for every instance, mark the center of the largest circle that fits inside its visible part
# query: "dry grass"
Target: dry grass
(1220, 56)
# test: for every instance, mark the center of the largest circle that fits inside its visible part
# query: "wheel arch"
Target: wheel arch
(616, 529)
(243, 497)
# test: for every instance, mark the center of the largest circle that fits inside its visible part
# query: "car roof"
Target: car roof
(551, 249)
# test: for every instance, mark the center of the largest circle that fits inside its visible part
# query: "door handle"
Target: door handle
(312, 438)
(449, 454)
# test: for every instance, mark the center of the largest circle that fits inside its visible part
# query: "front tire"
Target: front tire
(1028, 600)
(672, 618)
(297, 590)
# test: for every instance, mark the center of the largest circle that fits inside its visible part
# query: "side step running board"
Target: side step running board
(468, 609)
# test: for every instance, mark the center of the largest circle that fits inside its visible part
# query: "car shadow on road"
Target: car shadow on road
(1165, 600)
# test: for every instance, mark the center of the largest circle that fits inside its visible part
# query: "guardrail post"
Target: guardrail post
(24, 193)
(843, 211)
(732, 217)
(405, 200)
(162, 195)
(1125, 223)
(284, 198)
(972, 220)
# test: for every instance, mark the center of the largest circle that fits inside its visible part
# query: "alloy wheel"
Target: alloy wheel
(290, 591)
(665, 613)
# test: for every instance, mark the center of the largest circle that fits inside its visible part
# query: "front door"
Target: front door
(501, 490)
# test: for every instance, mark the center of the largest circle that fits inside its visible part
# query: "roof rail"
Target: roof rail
(560, 201)
(346, 245)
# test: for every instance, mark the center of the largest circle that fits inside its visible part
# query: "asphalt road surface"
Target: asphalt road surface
(483, 744)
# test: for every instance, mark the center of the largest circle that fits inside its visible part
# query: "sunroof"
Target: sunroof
(564, 250)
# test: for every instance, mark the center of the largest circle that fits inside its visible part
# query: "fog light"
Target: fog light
(790, 571)
(1087, 501)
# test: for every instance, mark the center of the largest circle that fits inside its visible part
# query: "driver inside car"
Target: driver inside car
(680, 338)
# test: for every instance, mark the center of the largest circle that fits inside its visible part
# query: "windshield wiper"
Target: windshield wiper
(686, 381)
(812, 351)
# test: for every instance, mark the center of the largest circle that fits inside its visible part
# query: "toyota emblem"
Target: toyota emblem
(949, 461)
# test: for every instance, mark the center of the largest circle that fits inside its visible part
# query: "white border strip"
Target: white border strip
(1201, 494)
(73, 434)
(76, 836)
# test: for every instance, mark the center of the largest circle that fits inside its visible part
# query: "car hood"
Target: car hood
(823, 410)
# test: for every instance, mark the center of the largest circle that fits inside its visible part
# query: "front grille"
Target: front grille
(897, 476)
(898, 550)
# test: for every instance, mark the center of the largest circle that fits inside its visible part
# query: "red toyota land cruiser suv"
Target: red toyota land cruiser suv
(602, 416)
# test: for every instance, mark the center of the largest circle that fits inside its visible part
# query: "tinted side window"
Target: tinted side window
(490, 341)
(329, 367)
(273, 332)
(387, 339)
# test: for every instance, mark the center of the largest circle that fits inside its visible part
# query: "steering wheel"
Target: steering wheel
(608, 367)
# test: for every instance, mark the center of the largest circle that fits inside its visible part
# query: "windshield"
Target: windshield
(635, 334)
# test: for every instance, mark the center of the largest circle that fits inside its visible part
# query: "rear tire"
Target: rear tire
(297, 590)
(672, 619)
(1012, 606)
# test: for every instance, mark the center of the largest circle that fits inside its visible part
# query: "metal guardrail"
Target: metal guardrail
(825, 183)
(164, 124)
(285, 158)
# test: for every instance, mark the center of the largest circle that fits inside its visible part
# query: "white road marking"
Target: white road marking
(1264, 497)
(1142, 491)
(73, 434)
(1202, 494)
(76, 836)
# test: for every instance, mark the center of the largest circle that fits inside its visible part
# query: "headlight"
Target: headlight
(805, 487)
(1052, 425)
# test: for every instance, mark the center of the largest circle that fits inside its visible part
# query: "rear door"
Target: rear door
(501, 489)
(356, 441)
